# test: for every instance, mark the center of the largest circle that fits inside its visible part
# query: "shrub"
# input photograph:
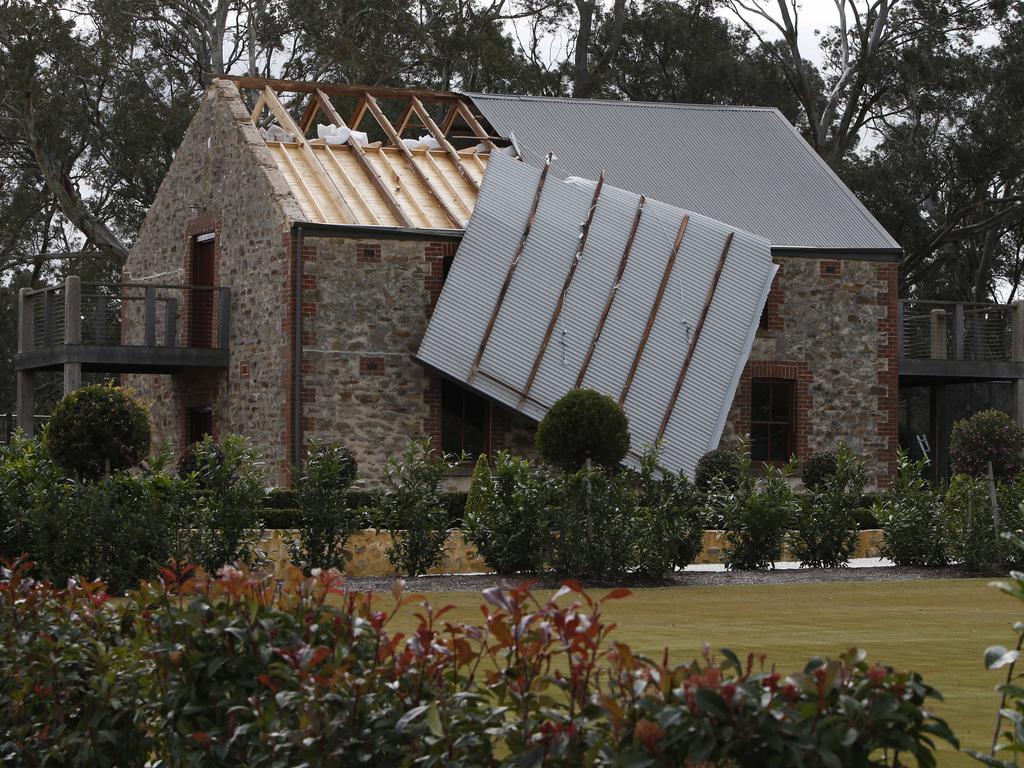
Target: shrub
(754, 518)
(986, 436)
(97, 429)
(824, 527)
(507, 514)
(23, 468)
(970, 522)
(221, 503)
(591, 523)
(911, 514)
(1011, 690)
(241, 670)
(819, 468)
(413, 508)
(326, 521)
(667, 522)
(581, 425)
(720, 467)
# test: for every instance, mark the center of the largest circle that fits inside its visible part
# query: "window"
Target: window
(465, 420)
(200, 424)
(200, 325)
(772, 420)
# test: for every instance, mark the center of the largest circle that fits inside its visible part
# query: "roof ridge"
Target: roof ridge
(648, 104)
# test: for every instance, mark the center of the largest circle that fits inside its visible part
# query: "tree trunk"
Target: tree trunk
(64, 190)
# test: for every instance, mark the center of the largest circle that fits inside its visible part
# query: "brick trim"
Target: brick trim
(830, 269)
(775, 304)
(889, 402)
(797, 372)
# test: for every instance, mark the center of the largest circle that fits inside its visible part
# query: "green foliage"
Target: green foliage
(583, 425)
(222, 499)
(97, 429)
(507, 516)
(591, 523)
(412, 507)
(987, 436)
(23, 468)
(666, 522)
(911, 512)
(824, 526)
(243, 670)
(721, 467)
(326, 520)
(754, 515)
(819, 468)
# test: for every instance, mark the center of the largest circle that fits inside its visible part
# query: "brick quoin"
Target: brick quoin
(889, 403)
(775, 303)
(432, 399)
(436, 255)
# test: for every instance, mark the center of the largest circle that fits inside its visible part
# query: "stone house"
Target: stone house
(335, 250)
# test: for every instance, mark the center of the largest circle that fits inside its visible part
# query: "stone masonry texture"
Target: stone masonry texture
(224, 180)
(829, 324)
(831, 329)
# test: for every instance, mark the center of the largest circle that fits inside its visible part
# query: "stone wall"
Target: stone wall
(831, 328)
(366, 307)
(224, 180)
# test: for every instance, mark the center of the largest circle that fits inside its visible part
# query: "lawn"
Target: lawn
(939, 628)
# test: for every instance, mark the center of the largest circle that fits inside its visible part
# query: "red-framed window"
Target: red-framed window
(772, 419)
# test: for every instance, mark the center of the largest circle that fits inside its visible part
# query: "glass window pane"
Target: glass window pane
(781, 398)
(779, 444)
(760, 435)
(760, 401)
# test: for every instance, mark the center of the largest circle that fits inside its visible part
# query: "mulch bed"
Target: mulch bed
(477, 583)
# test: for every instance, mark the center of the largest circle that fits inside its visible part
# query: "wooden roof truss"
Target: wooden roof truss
(380, 183)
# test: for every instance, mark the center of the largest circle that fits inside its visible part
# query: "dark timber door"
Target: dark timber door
(200, 323)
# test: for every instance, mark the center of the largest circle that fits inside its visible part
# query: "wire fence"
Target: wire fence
(956, 331)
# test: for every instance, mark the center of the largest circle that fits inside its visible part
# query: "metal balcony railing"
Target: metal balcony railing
(946, 330)
(126, 314)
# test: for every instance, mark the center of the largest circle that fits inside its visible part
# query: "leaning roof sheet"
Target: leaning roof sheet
(744, 165)
(650, 304)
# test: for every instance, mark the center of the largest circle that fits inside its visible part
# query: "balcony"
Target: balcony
(123, 327)
(961, 340)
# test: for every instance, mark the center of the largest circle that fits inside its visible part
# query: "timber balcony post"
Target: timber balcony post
(1017, 355)
(72, 330)
(938, 334)
(26, 379)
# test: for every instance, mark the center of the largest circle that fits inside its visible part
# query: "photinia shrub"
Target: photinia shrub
(326, 519)
(583, 425)
(987, 436)
(910, 511)
(96, 430)
(824, 530)
(506, 515)
(243, 670)
(414, 509)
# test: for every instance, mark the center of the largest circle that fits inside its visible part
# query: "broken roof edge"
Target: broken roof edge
(375, 232)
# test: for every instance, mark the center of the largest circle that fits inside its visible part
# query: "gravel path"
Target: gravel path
(869, 569)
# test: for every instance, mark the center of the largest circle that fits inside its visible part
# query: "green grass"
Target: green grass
(939, 628)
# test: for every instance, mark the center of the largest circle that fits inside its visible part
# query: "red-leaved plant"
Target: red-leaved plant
(240, 669)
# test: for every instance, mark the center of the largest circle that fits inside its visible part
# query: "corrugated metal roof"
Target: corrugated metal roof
(743, 165)
(492, 240)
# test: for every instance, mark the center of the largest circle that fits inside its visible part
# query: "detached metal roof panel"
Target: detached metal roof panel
(457, 335)
(743, 165)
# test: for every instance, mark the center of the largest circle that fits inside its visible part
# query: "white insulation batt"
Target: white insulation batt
(513, 347)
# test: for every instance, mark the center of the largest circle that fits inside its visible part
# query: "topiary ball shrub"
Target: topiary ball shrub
(721, 465)
(96, 430)
(987, 436)
(583, 424)
(819, 468)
